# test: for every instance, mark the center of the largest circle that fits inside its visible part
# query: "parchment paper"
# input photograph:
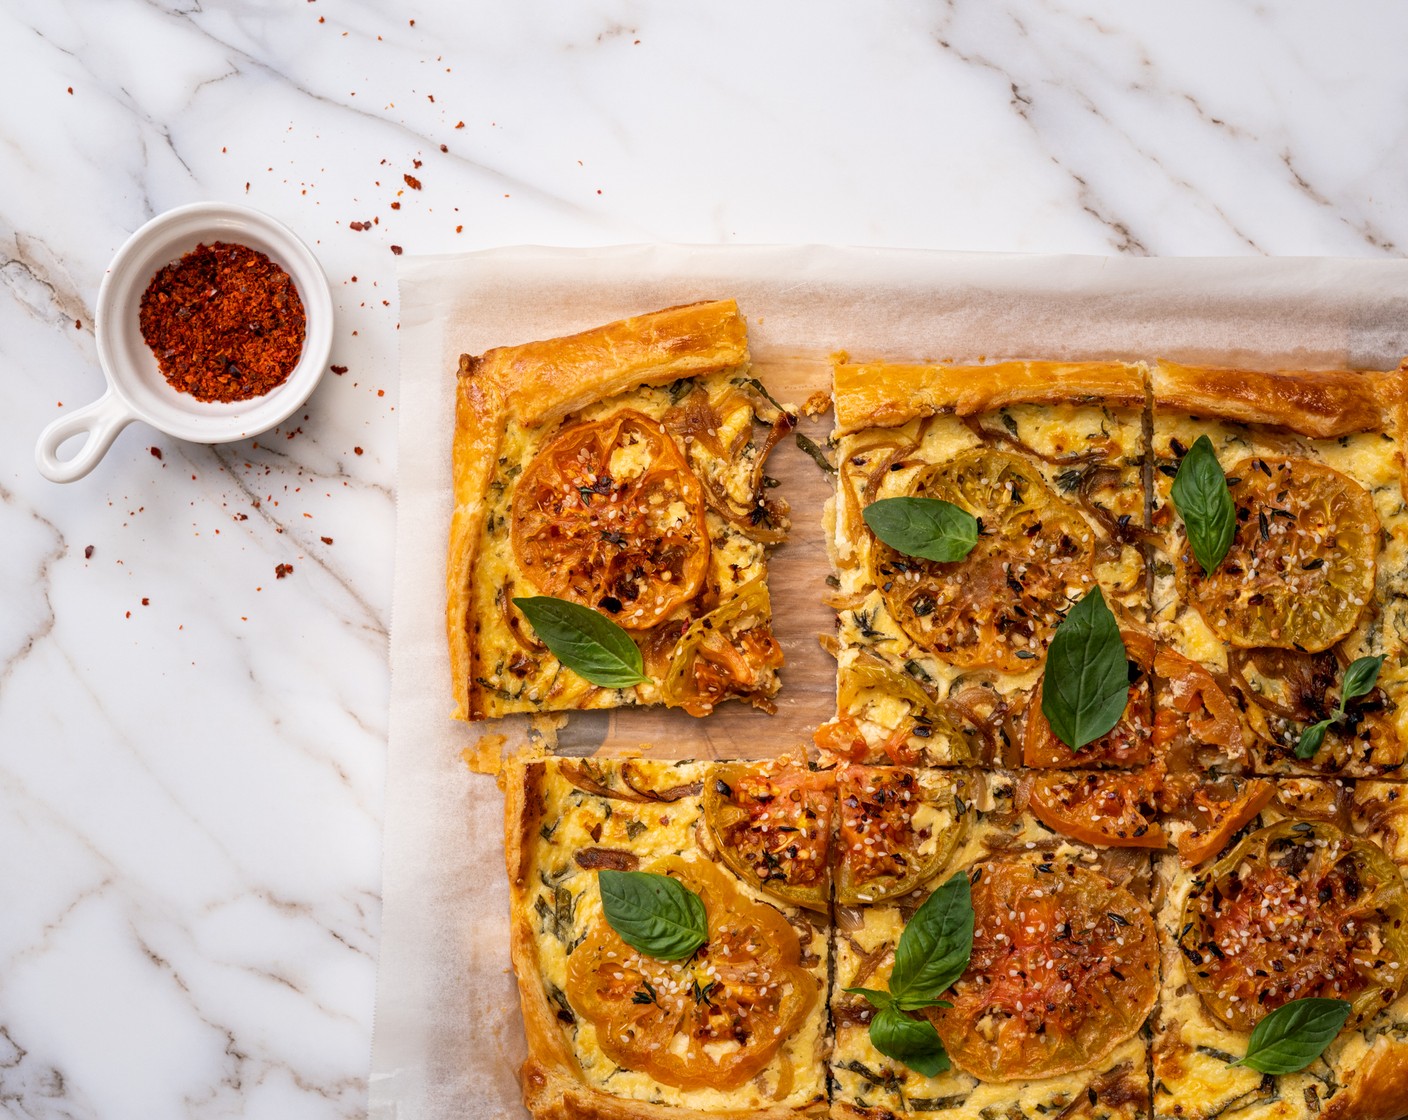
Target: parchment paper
(447, 1039)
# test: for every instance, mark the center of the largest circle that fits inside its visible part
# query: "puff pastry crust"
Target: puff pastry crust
(509, 402)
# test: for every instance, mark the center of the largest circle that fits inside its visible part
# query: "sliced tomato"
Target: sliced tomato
(771, 822)
(610, 515)
(728, 652)
(715, 1019)
(1300, 570)
(1216, 812)
(1126, 744)
(895, 834)
(1195, 724)
(1295, 910)
(1107, 808)
(1000, 604)
(841, 737)
(1065, 967)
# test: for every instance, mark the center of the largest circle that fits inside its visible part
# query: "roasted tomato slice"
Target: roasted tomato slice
(1065, 967)
(610, 515)
(1295, 910)
(1111, 808)
(771, 822)
(1195, 724)
(728, 652)
(1301, 566)
(896, 832)
(713, 1020)
(1215, 811)
(1126, 744)
(1005, 598)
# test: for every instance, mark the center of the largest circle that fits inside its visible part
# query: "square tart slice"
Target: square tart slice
(620, 469)
(1309, 901)
(739, 1028)
(1049, 1018)
(936, 661)
(1317, 572)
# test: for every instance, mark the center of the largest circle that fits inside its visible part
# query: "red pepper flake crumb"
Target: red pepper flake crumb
(397, 250)
(78, 324)
(459, 229)
(156, 452)
(381, 392)
(444, 147)
(225, 323)
(326, 540)
(241, 517)
(413, 23)
(88, 553)
(416, 164)
(357, 450)
(128, 614)
(395, 206)
(359, 226)
(339, 370)
(146, 602)
(281, 570)
(412, 181)
(70, 91)
(460, 125)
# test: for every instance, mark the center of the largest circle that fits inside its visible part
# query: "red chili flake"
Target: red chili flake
(413, 23)
(225, 323)
(460, 125)
(326, 540)
(412, 182)
(397, 250)
(156, 452)
(395, 206)
(128, 614)
(416, 164)
(444, 147)
(241, 517)
(88, 553)
(78, 324)
(357, 450)
(339, 370)
(459, 229)
(70, 89)
(281, 570)
(381, 392)
(359, 226)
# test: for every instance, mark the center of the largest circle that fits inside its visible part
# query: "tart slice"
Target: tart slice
(939, 652)
(1047, 1017)
(734, 1023)
(1310, 553)
(1310, 901)
(621, 471)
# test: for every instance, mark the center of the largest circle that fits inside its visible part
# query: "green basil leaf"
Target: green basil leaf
(925, 527)
(654, 914)
(1201, 497)
(935, 945)
(878, 999)
(914, 1042)
(1293, 1036)
(587, 642)
(1311, 738)
(1086, 686)
(1360, 678)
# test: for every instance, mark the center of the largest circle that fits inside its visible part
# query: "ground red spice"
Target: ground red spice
(281, 570)
(225, 323)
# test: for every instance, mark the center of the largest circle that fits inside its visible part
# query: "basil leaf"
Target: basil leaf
(1086, 686)
(935, 946)
(1311, 738)
(654, 914)
(924, 527)
(587, 642)
(878, 999)
(1293, 1036)
(1359, 678)
(914, 1042)
(1201, 497)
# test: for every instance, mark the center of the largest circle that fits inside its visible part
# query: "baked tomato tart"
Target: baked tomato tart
(620, 471)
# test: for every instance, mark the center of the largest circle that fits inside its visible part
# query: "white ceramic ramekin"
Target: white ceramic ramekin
(136, 388)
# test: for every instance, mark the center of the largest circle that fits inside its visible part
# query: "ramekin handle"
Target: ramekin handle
(99, 421)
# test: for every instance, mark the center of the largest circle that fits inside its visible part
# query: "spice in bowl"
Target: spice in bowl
(225, 323)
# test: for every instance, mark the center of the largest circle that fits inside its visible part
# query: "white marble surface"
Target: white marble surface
(191, 750)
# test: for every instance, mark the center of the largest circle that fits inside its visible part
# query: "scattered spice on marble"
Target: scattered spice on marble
(412, 182)
(146, 602)
(156, 452)
(281, 570)
(357, 450)
(397, 250)
(326, 540)
(225, 322)
(88, 552)
(339, 370)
